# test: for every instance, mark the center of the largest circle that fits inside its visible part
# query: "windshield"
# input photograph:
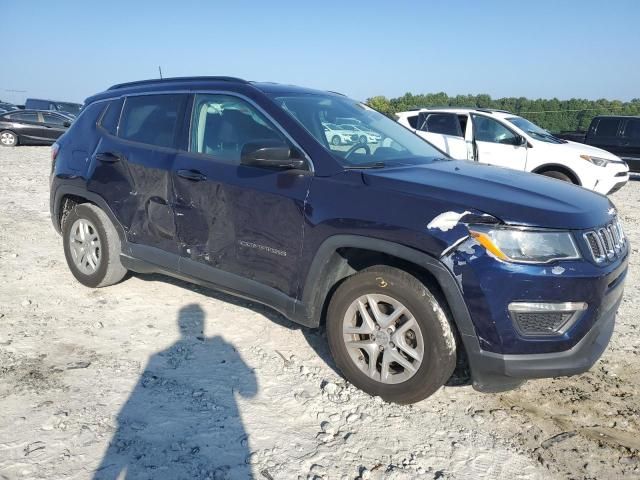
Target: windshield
(73, 108)
(392, 145)
(534, 130)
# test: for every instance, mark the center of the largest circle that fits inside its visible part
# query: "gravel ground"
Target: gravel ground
(161, 379)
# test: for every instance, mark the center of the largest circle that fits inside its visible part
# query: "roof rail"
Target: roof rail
(491, 110)
(176, 79)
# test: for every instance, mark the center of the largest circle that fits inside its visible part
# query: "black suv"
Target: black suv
(619, 135)
(416, 263)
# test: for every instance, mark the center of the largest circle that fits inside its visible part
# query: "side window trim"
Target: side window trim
(279, 128)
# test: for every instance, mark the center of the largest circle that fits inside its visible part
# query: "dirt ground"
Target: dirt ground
(155, 378)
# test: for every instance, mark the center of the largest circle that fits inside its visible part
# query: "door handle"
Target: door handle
(108, 157)
(192, 175)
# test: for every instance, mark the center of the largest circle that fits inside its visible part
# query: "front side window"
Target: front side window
(73, 108)
(393, 145)
(53, 119)
(221, 125)
(490, 130)
(152, 119)
(443, 123)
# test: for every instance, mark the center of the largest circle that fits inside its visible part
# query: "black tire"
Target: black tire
(109, 269)
(439, 358)
(336, 140)
(363, 139)
(557, 175)
(10, 137)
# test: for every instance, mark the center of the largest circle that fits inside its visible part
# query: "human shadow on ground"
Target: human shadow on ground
(182, 421)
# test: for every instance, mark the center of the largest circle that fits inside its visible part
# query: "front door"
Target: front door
(495, 144)
(235, 221)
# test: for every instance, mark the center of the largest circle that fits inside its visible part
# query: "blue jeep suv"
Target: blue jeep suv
(417, 264)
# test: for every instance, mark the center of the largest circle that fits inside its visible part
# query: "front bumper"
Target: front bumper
(613, 181)
(500, 356)
(493, 372)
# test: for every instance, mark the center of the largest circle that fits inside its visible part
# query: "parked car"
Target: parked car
(364, 135)
(507, 140)
(414, 262)
(619, 135)
(32, 127)
(337, 135)
(7, 107)
(69, 108)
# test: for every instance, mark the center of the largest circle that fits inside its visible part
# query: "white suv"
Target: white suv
(501, 138)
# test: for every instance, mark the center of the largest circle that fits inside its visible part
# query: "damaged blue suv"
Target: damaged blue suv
(418, 265)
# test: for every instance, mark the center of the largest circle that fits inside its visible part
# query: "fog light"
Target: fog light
(535, 319)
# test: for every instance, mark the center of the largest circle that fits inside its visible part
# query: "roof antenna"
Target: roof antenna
(160, 70)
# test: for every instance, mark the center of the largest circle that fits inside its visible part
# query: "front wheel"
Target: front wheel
(92, 247)
(557, 175)
(8, 139)
(389, 335)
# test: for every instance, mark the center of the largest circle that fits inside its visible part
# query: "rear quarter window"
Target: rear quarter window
(111, 116)
(413, 121)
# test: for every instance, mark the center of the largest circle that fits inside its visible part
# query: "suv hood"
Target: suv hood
(577, 149)
(516, 198)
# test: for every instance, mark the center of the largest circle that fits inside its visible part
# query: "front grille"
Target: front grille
(541, 323)
(606, 243)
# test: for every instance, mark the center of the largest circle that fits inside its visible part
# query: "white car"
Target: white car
(336, 135)
(364, 136)
(501, 138)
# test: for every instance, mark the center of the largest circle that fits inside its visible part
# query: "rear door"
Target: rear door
(231, 218)
(445, 132)
(630, 144)
(27, 125)
(497, 144)
(132, 171)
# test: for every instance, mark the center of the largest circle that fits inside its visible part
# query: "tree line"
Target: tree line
(551, 114)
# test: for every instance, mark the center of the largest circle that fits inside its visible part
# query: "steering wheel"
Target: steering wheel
(357, 146)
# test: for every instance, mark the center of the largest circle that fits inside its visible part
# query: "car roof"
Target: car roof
(203, 83)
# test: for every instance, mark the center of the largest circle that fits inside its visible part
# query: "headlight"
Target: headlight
(523, 245)
(598, 161)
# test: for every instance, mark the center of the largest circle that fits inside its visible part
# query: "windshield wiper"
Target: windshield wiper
(366, 165)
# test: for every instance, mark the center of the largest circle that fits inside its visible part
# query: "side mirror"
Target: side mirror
(271, 154)
(521, 141)
(66, 124)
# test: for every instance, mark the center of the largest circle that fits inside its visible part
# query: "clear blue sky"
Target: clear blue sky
(69, 49)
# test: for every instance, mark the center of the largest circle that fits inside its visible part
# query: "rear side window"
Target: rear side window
(151, 119)
(109, 120)
(25, 117)
(632, 129)
(607, 127)
(445, 124)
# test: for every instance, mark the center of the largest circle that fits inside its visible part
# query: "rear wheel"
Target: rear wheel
(389, 335)
(8, 139)
(92, 247)
(558, 175)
